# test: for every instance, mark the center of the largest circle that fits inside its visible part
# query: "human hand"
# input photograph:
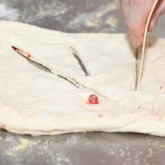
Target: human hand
(136, 13)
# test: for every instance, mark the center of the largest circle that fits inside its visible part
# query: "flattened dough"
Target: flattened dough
(33, 101)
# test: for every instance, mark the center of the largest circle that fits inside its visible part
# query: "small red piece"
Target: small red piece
(14, 48)
(93, 99)
(28, 56)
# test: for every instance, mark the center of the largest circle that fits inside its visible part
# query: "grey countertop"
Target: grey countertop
(83, 148)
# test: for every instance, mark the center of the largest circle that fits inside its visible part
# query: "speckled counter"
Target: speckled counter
(82, 148)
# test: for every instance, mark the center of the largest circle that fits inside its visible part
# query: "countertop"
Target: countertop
(101, 16)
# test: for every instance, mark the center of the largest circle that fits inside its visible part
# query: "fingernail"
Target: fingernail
(135, 41)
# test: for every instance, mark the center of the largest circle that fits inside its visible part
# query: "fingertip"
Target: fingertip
(151, 26)
(136, 41)
(153, 23)
(150, 29)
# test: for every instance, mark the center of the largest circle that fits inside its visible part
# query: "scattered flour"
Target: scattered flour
(7, 13)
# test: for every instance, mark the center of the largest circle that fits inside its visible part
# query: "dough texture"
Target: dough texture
(34, 101)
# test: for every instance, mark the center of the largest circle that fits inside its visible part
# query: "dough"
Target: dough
(34, 101)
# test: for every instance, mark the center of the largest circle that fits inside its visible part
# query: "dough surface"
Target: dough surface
(36, 102)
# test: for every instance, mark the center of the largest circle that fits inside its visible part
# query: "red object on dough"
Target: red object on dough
(25, 54)
(93, 99)
(28, 56)
(14, 48)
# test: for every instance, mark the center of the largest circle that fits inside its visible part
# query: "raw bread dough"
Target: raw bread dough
(36, 102)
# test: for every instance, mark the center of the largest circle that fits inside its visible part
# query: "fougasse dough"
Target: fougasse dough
(36, 102)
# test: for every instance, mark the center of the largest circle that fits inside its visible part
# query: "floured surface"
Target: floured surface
(71, 149)
(36, 102)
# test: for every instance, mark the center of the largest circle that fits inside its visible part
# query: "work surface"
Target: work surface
(84, 148)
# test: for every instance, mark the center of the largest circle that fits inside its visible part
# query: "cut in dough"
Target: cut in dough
(36, 102)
